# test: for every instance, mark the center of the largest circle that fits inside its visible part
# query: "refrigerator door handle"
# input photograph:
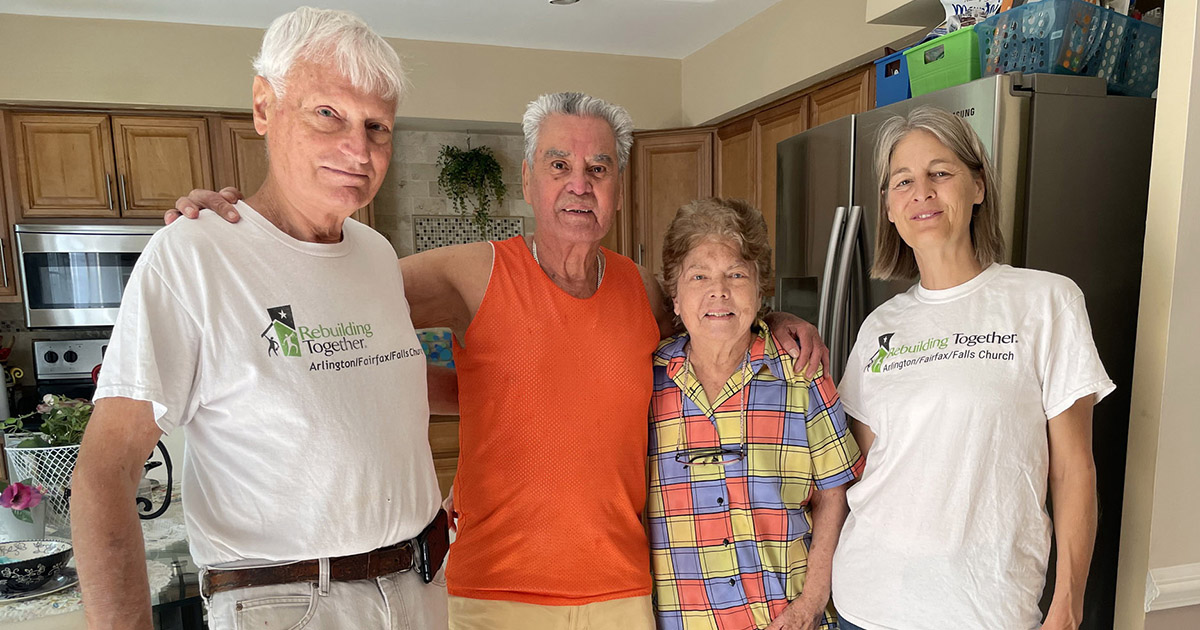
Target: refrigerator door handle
(835, 233)
(836, 343)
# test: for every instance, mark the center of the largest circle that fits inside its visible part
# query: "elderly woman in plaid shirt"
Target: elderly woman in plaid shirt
(748, 459)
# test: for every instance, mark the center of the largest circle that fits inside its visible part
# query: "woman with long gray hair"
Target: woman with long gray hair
(971, 395)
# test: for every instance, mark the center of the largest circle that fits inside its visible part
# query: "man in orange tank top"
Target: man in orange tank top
(554, 337)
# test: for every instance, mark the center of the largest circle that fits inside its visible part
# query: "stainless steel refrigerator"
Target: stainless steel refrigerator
(1073, 168)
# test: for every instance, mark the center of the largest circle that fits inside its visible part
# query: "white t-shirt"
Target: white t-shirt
(948, 527)
(297, 378)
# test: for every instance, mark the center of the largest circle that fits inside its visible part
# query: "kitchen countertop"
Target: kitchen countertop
(168, 563)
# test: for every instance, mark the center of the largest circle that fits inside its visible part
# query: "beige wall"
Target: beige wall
(1184, 618)
(790, 45)
(1160, 514)
(154, 63)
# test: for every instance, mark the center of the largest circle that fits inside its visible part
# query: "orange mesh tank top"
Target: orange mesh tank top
(553, 396)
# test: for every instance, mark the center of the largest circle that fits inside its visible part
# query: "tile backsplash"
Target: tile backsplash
(431, 231)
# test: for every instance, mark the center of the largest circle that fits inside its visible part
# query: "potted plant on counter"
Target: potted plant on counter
(47, 458)
(473, 180)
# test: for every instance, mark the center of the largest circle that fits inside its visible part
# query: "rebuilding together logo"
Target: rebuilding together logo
(955, 346)
(285, 338)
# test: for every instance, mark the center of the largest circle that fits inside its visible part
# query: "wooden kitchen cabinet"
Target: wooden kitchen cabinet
(8, 257)
(243, 158)
(745, 155)
(852, 95)
(158, 161)
(737, 159)
(443, 442)
(670, 169)
(620, 233)
(65, 165)
(770, 128)
(734, 162)
(100, 166)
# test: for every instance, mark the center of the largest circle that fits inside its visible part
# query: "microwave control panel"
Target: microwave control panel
(67, 358)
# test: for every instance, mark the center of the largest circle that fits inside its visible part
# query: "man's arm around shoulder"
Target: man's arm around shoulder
(445, 286)
(107, 532)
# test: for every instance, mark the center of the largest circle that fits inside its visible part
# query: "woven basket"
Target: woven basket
(49, 467)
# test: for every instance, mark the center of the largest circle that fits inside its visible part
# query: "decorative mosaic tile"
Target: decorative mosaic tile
(430, 231)
(436, 344)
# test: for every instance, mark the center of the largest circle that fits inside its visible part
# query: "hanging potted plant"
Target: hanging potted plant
(473, 180)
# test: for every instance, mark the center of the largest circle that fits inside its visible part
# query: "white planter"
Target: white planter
(13, 528)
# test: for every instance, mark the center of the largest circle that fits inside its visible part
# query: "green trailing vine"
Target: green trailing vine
(63, 422)
(474, 182)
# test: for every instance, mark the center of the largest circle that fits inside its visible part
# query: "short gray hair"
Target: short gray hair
(578, 104)
(894, 259)
(721, 218)
(324, 35)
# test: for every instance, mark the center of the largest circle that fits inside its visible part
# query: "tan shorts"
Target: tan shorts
(630, 613)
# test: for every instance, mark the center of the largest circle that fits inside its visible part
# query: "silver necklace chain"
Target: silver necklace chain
(599, 263)
(687, 365)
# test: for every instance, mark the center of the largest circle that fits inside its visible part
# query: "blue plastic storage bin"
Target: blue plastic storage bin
(1072, 37)
(891, 79)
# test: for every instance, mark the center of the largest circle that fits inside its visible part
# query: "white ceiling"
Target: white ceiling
(656, 28)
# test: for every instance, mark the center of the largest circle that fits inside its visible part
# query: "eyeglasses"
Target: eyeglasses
(712, 455)
(719, 455)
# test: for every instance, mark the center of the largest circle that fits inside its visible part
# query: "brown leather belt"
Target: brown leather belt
(363, 566)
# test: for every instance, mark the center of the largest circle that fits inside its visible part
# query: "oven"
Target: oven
(74, 275)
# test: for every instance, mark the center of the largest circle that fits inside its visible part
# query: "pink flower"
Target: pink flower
(19, 496)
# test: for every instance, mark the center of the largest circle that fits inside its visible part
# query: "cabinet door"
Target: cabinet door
(243, 163)
(160, 160)
(852, 95)
(64, 165)
(770, 128)
(7, 259)
(671, 169)
(620, 233)
(443, 442)
(736, 163)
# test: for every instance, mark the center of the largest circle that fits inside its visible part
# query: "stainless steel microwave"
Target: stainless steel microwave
(74, 275)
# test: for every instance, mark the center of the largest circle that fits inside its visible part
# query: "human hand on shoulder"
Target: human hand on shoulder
(799, 339)
(197, 200)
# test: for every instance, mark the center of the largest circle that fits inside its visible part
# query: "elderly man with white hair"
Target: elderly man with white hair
(283, 349)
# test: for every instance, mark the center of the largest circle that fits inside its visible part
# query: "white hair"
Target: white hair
(577, 104)
(326, 35)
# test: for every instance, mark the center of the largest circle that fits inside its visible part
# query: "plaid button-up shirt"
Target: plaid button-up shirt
(729, 544)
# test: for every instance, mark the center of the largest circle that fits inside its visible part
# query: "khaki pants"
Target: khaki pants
(630, 613)
(400, 601)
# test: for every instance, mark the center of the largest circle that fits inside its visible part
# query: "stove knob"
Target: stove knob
(50, 356)
(70, 357)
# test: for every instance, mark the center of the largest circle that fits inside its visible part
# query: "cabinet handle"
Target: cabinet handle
(3, 264)
(641, 251)
(108, 188)
(124, 199)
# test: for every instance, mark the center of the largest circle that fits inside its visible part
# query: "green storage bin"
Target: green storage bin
(951, 59)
